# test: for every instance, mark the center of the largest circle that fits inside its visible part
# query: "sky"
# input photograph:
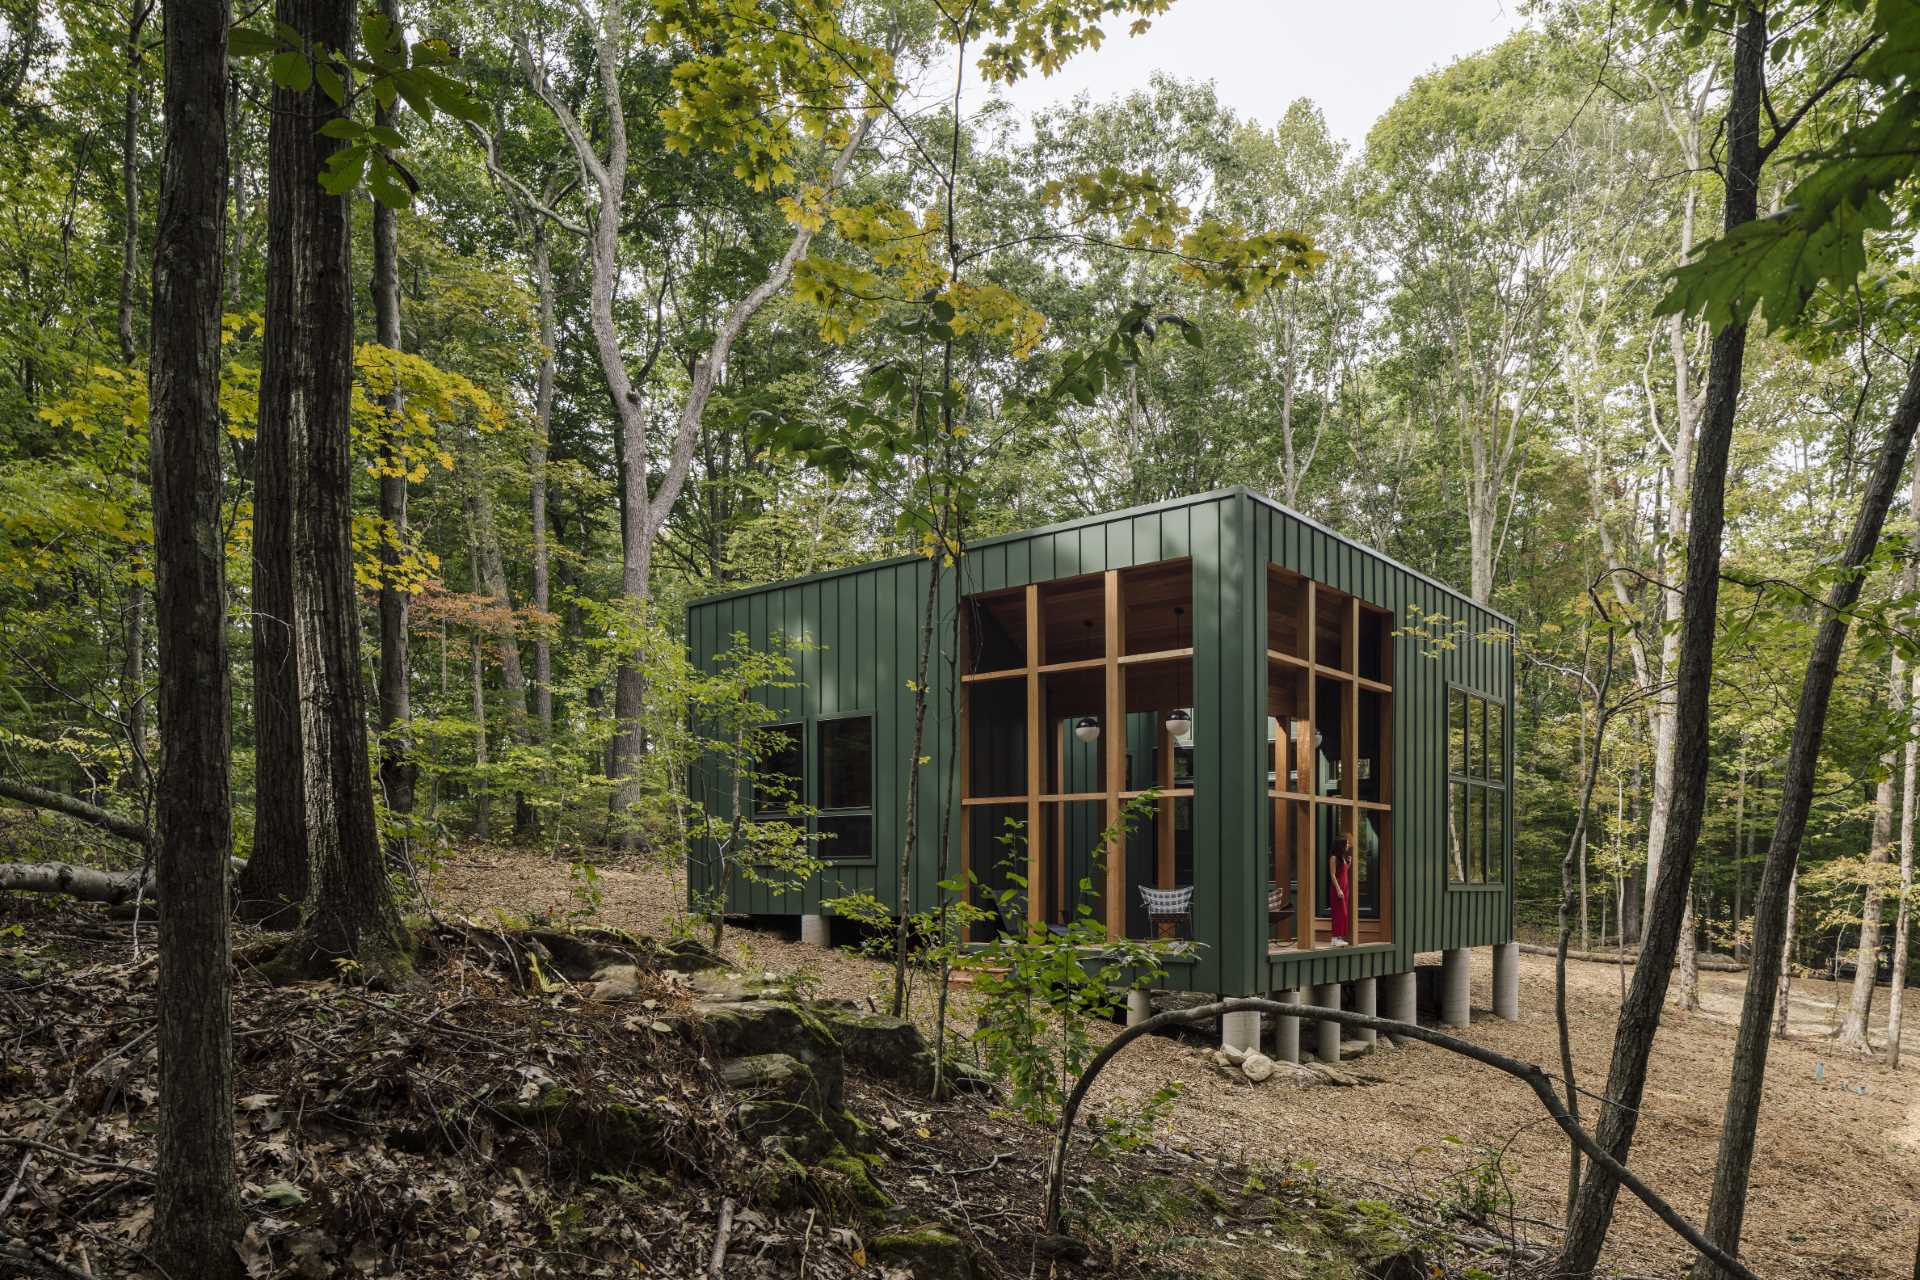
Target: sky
(1352, 57)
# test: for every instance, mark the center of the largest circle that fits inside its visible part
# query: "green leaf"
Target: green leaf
(343, 170)
(410, 87)
(375, 31)
(244, 42)
(343, 127)
(330, 82)
(291, 70)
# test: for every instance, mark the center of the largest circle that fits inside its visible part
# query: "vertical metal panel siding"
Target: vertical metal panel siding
(865, 626)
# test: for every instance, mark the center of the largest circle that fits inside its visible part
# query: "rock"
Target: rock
(734, 988)
(929, 1252)
(608, 1137)
(843, 1173)
(888, 1047)
(616, 982)
(1408, 1264)
(1328, 1074)
(1234, 1054)
(688, 955)
(1257, 1067)
(749, 1028)
(783, 1104)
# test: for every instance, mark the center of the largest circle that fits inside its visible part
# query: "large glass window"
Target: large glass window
(844, 749)
(1476, 789)
(846, 763)
(779, 783)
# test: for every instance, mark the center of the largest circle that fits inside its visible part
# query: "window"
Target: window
(779, 784)
(844, 754)
(1476, 789)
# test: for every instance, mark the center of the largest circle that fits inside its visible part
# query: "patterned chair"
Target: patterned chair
(1168, 907)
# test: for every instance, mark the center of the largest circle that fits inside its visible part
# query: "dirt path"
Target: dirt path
(1836, 1187)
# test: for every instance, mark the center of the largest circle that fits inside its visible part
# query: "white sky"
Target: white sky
(1352, 57)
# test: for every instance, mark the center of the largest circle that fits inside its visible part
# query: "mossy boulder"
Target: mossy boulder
(842, 1175)
(753, 1027)
(783, 1106)
(930, 1252)
(592, 1136)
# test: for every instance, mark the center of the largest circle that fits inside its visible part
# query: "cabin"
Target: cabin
(1278, 691)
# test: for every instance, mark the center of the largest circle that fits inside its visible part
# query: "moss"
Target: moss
(855, 1179)
(604, 1137)
(931, 1251)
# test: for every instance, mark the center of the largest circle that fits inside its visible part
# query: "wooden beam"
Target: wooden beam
(1303, 848)
(1116, 737)
(1163, 825)
(1036, 846)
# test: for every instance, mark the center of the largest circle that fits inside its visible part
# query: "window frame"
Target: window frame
(1495, 790)
(821, 848)
(801, 784)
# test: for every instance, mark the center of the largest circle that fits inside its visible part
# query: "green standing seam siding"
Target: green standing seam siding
(866, 622)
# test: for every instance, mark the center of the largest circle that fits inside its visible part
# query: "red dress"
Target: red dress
(1337, 886)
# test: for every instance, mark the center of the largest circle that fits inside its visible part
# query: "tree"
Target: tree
(1693, 684)
(349, 915)
(197, 1219)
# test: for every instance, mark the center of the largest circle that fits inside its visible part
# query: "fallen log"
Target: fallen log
(1707, 963)
(89, 884)
(74, 807)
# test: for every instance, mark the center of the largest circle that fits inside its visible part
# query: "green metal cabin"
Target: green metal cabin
(1278, 686)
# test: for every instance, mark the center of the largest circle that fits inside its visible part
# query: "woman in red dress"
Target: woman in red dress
(1339, 886)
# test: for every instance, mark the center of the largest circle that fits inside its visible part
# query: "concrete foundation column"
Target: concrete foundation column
(1365, 996)
(1456, 989)
(813, 931)
(1286, 1031)
(1403, 999)
(1506, 981)
(1240, 1030)
(1139, 1006)
(1327, 1037)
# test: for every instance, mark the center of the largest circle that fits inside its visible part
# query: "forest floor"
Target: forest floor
(1836, 1182)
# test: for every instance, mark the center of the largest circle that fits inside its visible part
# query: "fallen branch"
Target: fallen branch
(132, 1171)
(89, 884)
(717, 1264)
(1526, 1072)
(74, 807)
(1707, 963)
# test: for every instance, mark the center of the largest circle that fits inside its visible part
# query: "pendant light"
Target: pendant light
(1087, 729)
(1180, 720)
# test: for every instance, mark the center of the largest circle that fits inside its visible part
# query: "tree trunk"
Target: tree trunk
(274, 884)
(482, 801)
(74, 807)
(1903, 914)
(537, 475)
(398, 773)
(1782, 1009)
(490, 577)
(350, 916)
(197, 1219)
(1728, 1206)
(1692, 689)
(133, 693)
(1854, 1026)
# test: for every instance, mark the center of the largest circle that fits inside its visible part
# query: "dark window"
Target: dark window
(844, 787)
(779, 783)
(1476, 789)
(846, 838)
(846, 763)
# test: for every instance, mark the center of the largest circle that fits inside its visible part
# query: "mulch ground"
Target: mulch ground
(1836, 1182)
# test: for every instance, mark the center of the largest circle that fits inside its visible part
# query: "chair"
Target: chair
(1168, 907)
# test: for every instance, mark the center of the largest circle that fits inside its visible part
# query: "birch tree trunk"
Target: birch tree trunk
(133, 692)
(350, 914)
(1782, 1009)
(1854, 1023)
(537, 473)
(397, 771)
(646, 506)
(197, 1219)
(1903, 914)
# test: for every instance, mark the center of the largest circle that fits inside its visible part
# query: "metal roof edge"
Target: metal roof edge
(1377, 554)
(1079, 522)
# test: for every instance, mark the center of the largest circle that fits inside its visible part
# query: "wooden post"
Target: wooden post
(1036, 846)
(1163, 825)
(1116, 738)
(1303, 850)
